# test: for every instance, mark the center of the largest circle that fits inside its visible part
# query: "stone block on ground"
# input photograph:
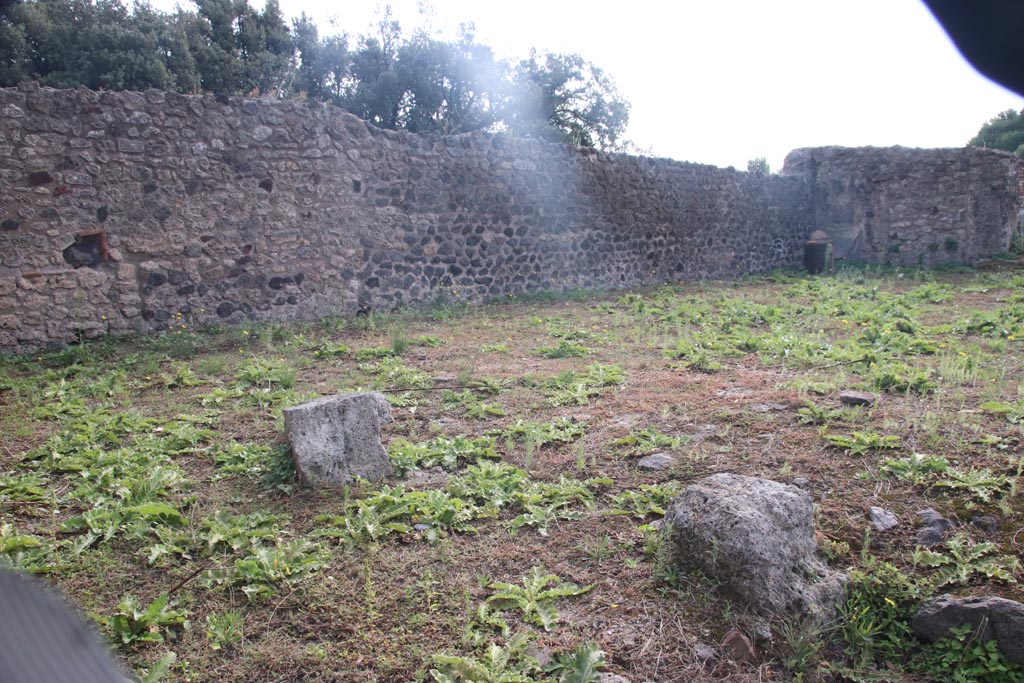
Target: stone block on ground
(756, 537)
(882, 519)
(738, 647)
(851, 397)
(656, 461)
(933, 528)
(991, 618)
(335, 439)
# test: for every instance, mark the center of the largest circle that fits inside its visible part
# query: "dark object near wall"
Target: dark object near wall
(817, 253)
(988, 35)
(42, 641)
(89, 249)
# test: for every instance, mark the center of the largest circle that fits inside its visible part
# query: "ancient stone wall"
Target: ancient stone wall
(145, 211)
(912, 207)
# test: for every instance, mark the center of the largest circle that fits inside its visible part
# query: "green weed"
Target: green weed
(225, 629)
(964, 560)
(535, 599)
(152, 623)
(859, 443)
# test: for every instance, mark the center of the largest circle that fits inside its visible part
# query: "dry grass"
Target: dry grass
(380, 613)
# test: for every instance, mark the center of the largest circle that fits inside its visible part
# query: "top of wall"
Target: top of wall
(125, 211)
(798, 162)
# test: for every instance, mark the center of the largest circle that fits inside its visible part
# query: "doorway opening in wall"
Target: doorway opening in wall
(89, 249)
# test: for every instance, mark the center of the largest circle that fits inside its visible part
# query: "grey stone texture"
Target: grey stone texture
(738, 647)
(852, 397)
(335, 439)
(756, 536)
(996, 618)
(881, 519)
(142, 212)
(906, 206)
(656, 461)
(933, 527)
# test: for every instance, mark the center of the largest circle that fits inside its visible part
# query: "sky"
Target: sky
(724, 81)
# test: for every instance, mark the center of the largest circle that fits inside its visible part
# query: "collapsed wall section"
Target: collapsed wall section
(915, 207)
(147, 211)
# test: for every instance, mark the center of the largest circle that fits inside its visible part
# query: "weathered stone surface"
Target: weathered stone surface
(281, 210)
(335, 439)
(997, 619)
(704, 653)
(869, 201)
(768, 407)
(608, 677)
(737, 647)
(882, 519)
(757, 537)
(851, 397)
(656, 461)
(987, 523)
(933, 527)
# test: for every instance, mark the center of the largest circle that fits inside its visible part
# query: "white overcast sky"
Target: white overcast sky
(723, 81)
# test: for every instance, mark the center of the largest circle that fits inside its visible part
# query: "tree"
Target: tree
(323, 64)
(564, 98)
(449, 87)
(67, 43)
(1005, 131)
(373, 91)
(758, 165)
(15, 51)
(420, 83)
(239, 50)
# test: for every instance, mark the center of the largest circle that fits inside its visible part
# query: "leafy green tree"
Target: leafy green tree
(1005, 131)
(374, 91)
(15, 52)
(758, 165)
(323, 64)
(419, 83)
(564, 98)
(67, 43)
(449, 87)
(240, 50)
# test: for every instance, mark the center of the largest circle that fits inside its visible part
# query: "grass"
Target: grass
(149, 479)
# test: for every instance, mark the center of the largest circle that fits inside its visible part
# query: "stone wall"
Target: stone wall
(145, 211)
(912, 206)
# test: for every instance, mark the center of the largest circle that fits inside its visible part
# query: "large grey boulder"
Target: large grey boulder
(757, 537)
(335, 439)
(991, 618)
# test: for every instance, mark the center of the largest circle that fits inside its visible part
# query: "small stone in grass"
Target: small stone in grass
(933, 527)
(851, 397)
(987, 523)
(738, 647)
(704, 653)
(882, 519)
(656, 461)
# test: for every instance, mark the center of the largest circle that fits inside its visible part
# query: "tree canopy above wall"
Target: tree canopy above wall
(415, 82)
